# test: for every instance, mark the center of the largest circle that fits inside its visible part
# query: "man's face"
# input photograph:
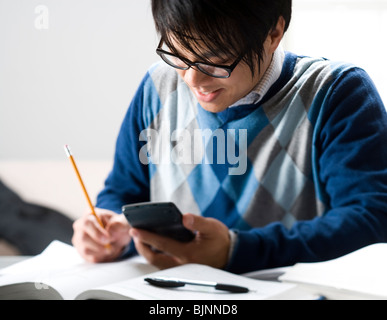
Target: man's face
(216, 95)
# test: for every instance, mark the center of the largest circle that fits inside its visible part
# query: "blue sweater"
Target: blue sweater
(300, 177)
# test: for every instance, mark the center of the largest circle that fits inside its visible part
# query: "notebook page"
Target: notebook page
(61, 267)
(139, 289)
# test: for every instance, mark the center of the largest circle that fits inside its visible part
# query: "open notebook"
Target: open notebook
(357, 275)
(60, 273)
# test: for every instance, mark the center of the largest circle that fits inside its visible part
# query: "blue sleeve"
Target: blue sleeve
(351, 164)
(128, 181)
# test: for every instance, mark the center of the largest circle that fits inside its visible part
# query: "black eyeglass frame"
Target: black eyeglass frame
(191, 64)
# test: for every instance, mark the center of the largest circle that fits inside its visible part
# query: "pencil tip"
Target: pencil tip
(67, 150)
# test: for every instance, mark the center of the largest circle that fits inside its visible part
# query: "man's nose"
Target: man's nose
(194, 77)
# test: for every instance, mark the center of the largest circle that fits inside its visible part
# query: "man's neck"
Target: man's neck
(270, 76)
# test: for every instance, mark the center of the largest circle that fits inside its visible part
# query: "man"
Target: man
(294, 168)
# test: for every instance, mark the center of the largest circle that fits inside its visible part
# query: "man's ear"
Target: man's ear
(276, 34)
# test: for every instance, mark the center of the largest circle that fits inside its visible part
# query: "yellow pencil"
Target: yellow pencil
(70, 156)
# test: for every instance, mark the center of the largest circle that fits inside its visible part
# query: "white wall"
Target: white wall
(69, 79)
(346, 30)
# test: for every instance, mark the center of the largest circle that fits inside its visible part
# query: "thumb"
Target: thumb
(196, 223)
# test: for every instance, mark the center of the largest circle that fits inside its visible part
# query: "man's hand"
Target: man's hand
(97, 244)
(210, 246)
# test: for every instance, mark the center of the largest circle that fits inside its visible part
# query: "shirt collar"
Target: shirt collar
(271, 75)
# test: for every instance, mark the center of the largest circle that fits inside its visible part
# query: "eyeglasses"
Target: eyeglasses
(213, 70)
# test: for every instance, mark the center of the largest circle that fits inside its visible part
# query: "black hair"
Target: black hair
(226, 28)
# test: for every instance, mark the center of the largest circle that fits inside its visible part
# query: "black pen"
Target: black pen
(166, 282)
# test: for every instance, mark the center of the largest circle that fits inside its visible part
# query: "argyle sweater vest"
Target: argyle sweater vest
(283, 160)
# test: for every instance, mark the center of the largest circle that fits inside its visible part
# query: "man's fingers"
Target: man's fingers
(197, 223)
(95, 231)
(118, 229)
(153, 240)
(210, 246)
(88, 232)
(92, 251)
(155, 257)
(99, 244)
